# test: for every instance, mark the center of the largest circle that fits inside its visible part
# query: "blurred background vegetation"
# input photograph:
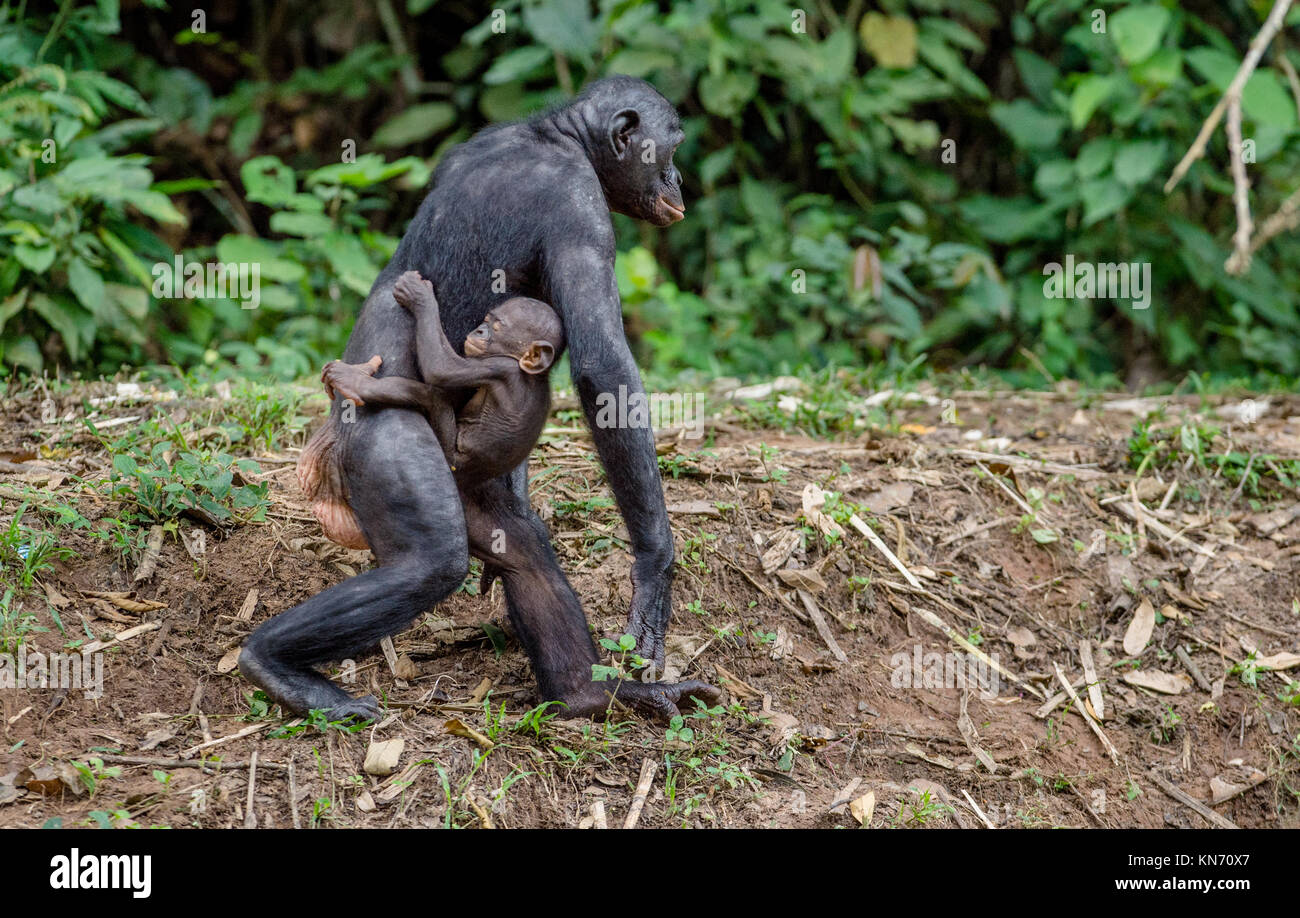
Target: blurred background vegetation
(128, 135)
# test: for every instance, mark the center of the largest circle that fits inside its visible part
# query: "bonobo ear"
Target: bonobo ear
(621, 127)
(538, 358)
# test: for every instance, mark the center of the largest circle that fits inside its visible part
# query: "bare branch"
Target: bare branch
(1255, 52)
(1239, 261)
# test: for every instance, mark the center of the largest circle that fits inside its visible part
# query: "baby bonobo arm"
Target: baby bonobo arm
(357, 382)
(440, 365)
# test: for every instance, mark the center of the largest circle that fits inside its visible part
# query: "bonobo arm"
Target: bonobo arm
(440, 365)
(356, 381)
(584, 292)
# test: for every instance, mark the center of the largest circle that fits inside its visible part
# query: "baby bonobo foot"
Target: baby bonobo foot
(346, 378)
(661, 701)
(414, 293)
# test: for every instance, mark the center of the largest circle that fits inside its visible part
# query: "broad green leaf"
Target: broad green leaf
(23, 353)
(86, 284)
(1088, 94)
(40, 197)
(1094, 157)
(292, 223)
(890, 39)
(417, 123)
(727, 93)
(73, 325)
(1160, 69)
(268, 181)
(12, 305)
(563, 25)
(35, 259)
(1137, 161)
(1138, 30)
(153, 204)
(1054, 176)
(239, 249)
(132, 300)
(1038, 74)
(1004, 219)
(640, 62)
(518, 64)
(1102, 198)
(1028, 126)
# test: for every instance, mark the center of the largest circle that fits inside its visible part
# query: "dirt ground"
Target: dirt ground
(1006, 524)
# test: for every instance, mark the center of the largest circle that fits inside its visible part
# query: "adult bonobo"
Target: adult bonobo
(519, 210)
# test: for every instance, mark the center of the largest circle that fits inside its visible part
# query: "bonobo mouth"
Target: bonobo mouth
(667, 212)
(473, 348)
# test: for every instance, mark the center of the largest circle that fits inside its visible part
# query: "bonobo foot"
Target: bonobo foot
(661, 701)
(413, 292)
(302, 691)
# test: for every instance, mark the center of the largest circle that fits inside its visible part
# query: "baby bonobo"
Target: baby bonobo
(507, 360)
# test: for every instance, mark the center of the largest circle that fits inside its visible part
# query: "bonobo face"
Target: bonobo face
(526, 329)
(642, 180)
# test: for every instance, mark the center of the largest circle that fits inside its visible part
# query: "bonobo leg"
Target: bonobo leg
(406, 504)
(547, 615)
(517, 483)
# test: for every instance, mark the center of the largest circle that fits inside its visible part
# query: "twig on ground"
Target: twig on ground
(648, 769)
(1190, 802)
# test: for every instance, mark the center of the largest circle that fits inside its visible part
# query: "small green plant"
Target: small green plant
(15, 623)
(622, 648)
(535, 719)
(25, 553)
(692, 557)
(94, 771)
(1167, 728)
(318, 719)
(925, 810)
(767, 456)
(321, 810)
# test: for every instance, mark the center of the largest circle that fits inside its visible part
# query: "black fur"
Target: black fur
(533, 200)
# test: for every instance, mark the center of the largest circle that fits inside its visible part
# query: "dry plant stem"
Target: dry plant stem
(1286, 218)
(1087, 718)
(1239, 261)
(1190, 802)
(1256, 51)
(648, 769)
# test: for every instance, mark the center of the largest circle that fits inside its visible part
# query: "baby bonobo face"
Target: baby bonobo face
(523, 328)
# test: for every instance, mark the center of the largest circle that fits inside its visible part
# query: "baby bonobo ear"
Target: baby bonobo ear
(537, 358)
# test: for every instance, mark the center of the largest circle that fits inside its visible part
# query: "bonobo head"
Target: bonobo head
(631, 134)
(523, 328)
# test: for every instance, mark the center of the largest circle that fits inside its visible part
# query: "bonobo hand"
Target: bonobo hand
(347, 378)
(413, 292)
(652, 595)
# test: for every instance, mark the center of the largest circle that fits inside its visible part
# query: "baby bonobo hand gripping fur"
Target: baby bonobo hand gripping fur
(520, 210)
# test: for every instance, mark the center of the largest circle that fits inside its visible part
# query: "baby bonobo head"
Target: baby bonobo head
(523, 328)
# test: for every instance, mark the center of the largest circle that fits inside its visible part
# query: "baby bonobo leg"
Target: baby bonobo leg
(548, 617)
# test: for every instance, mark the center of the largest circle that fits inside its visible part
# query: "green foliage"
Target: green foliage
(162, 483)
(72, 253)
(866, 187)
